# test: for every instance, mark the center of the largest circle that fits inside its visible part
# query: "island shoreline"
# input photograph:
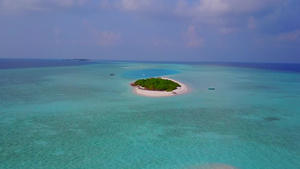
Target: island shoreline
(154, 93)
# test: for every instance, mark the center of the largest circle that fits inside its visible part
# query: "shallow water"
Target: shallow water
(81, 117)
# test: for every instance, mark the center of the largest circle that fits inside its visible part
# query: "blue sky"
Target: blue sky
(162, 30)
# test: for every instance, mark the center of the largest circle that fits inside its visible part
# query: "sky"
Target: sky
(152, 30)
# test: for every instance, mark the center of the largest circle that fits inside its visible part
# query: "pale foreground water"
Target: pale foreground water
(81, 117)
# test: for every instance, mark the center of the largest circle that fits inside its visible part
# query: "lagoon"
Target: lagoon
(81, 117)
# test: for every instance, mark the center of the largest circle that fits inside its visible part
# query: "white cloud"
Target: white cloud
(192, 8)
(100, 37)
(216, 10)
(290, 36)
(107, 38)
(19, 6)
(202, 10)
(16, 6)
(68, 3)
(134, 5)
(212, 7)
(192, 39)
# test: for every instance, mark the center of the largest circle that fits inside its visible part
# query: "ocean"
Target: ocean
(79, 114)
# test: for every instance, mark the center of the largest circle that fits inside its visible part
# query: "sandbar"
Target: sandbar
(153, 93)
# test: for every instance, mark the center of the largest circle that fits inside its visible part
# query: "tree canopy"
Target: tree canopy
(157, 84)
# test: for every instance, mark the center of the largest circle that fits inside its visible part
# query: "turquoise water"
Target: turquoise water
(81, 117)
(147, 73)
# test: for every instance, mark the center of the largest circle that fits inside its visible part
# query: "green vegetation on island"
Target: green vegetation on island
(158, 84)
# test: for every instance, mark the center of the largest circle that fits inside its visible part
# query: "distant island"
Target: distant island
(156, 84)
(82, 60)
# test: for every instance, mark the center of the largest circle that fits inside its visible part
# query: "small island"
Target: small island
(158, 87)
(157, 84)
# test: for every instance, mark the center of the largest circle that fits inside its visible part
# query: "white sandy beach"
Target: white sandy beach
(150, 93)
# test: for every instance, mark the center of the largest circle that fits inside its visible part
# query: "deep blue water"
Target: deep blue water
(35, 63)
(6, 63)
(290, 67)
(146, 73)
